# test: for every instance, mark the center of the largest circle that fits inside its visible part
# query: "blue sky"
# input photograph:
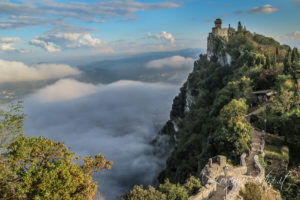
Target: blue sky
(39, 30)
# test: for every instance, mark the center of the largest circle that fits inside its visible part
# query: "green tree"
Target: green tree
(268, 63)
(295, 55)
(234, 89)
(166, 191)
(45, 169)
(234, 134)
(139, 193)
(174, 191)
(288, 62)
(38, 168)
(11, 124)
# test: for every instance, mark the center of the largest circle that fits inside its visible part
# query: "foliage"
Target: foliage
(278, 152)
(261, 161)
(215, 122)
(166, 191)
(192, 185)
(11, 124)
(233, 89)
(139, 193)
(233, 136)
(252, 191)
(45, 169)
(265, 40)
(291, 188)
(174, 191)
(38, 168)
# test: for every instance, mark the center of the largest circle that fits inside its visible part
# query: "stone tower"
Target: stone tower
(218, 23)
(225, 34)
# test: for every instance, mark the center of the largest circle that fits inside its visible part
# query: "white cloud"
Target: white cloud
(48, 46)
(28, 14)
(11, 71)
(9, 43)
(292, 39)
(10, 39)
(266, 9)
(171, 62)
(165, 36)
(7, 46)
(56, 42)
(90, 41)
(64, 89)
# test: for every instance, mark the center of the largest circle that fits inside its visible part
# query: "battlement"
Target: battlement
(226, 33)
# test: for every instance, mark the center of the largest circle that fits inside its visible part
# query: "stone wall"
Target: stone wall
(206, 191)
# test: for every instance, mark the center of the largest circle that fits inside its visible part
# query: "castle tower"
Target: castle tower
(218, 23)
(218, 31)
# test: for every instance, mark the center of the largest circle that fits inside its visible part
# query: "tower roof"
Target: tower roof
(218, 21)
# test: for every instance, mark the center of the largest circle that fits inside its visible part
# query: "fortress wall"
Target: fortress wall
(205, 192)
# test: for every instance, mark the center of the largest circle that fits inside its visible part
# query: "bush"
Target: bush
(139, 193)
(166, 191)
(252, 191)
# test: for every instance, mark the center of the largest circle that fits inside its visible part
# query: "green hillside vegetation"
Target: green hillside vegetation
(216, 124)
(39, 168)
(166, 191)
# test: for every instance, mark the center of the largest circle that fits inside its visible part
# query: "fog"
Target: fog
(118, 119)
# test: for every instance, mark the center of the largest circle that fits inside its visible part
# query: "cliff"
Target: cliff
(236, 64)
(244, 90)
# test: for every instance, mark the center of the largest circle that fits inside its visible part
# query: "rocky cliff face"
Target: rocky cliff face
(216, 50)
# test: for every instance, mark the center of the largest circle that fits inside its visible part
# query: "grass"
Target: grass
(261, 161)
(280, 152)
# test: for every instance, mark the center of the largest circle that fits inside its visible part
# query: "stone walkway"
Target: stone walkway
(220, 193)
(251, 169)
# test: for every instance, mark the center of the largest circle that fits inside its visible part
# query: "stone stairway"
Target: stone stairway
(237, 178)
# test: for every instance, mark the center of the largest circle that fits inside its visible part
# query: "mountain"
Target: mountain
(241, 101)
(135, 68)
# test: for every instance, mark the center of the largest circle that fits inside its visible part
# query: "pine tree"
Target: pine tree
(276, 55)
(287, 62)
(295, 55)
(268, 62)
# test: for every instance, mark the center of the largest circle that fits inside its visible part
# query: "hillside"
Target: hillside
(242, 72)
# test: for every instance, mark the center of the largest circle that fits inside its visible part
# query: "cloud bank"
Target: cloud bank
(11, 71)
(118, 120)
(171, 62)
(63, 90)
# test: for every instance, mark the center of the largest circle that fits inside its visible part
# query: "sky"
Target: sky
(34, 31)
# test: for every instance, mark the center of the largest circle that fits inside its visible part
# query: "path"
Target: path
(256, 135)
(220, 192)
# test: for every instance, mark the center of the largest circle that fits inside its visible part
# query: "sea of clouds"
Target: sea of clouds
(119, 120)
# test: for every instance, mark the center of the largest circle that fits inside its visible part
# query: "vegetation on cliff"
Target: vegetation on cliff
(214, 123)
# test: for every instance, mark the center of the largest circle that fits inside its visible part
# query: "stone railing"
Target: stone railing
(242, 169)
(206, 191)
(261, 169)
(214, 169)
(261, 175)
